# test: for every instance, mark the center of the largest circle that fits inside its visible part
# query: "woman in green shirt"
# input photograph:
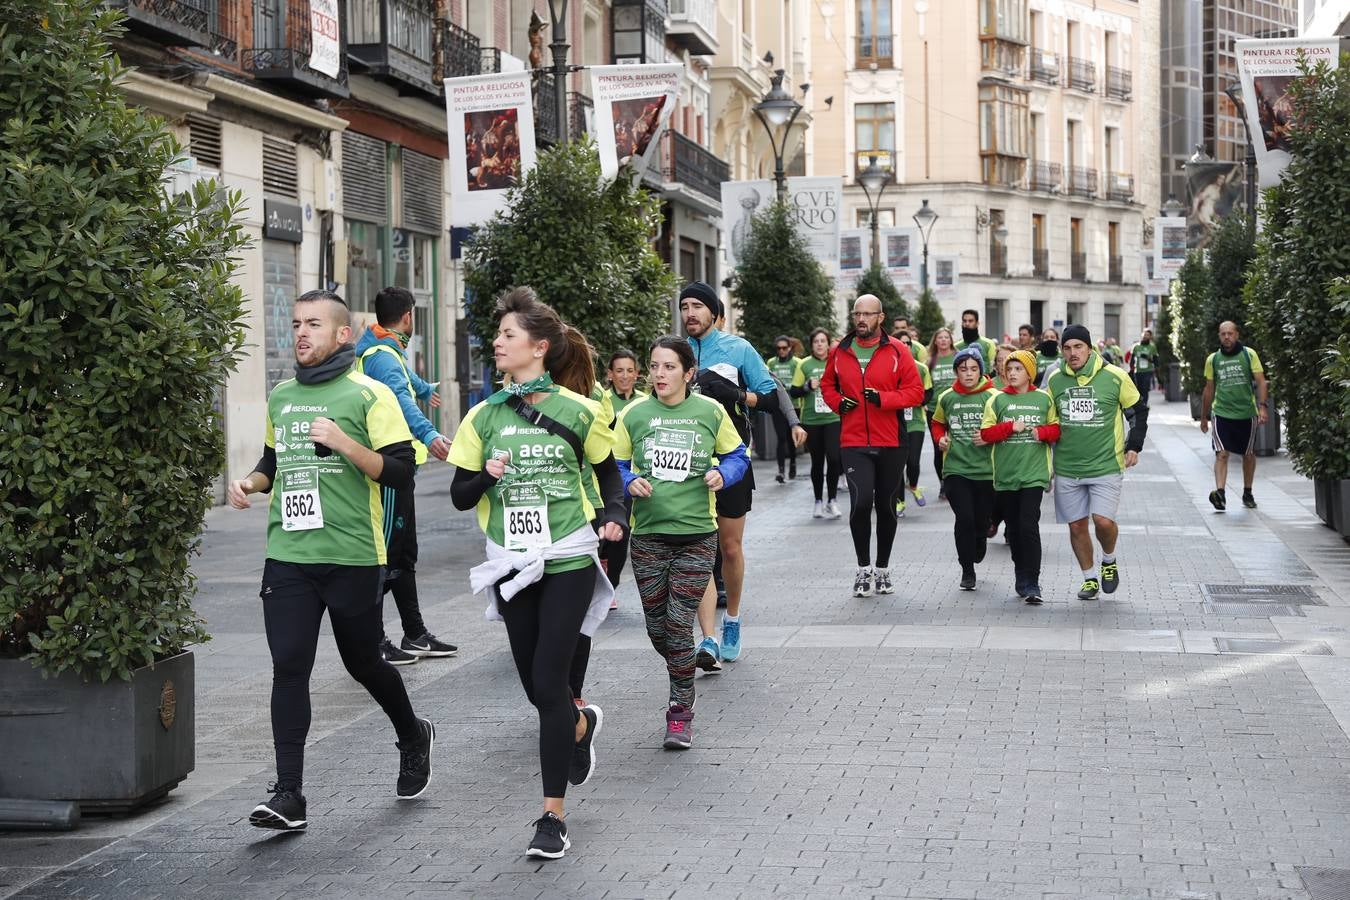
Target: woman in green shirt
(941, 352)
(822, 426)
(675, 450)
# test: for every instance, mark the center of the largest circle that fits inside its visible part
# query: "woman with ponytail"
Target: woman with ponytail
(520, 458)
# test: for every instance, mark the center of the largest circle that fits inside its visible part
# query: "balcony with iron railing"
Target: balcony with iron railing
(457, 51)
(693, 26)
(1082, 75)
(875, 50)
(1040, 262)
(1120, 187)
(1080, 182)
(179, 23)
(685, 161)
(1115, 272)
(491, 61)
(282, 47)
(1119, 83)
(580, 113)
(1078, 266)
(1044, 67)
(395, 40)
(1043, 176)
(546, 112)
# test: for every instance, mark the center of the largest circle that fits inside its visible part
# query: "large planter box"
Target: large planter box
(1172, 391)
(1340, 506)
(109, 747)
(1267, 439)
(1195, 400)
(1322, 500)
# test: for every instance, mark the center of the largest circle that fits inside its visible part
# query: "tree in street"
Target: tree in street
(779, 286)
(928, 315)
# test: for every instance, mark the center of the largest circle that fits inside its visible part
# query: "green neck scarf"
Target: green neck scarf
(541, 385)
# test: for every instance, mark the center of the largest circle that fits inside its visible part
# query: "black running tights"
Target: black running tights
(873, 475)
(542, 623)
(1022, 512)
(971, 502)
(823, 443)
(913, 457)
(294, 599)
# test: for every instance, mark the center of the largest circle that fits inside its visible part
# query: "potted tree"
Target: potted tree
(119, 324)
(1190, 302)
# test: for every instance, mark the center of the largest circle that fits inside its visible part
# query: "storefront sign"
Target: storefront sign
(283, 221)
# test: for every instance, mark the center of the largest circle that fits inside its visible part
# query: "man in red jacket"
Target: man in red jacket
(868, 379)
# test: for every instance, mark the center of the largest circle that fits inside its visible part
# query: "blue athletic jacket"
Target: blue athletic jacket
(385, 369)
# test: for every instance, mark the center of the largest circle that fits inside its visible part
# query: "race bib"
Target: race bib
(525, 517)
(672, 454)
(1082, 404)
(301, 509)
(821, 406)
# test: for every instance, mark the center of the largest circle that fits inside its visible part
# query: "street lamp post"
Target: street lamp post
(777, 110)
(557, 12)
(873, 180)
(925, 218)
(1234, 92)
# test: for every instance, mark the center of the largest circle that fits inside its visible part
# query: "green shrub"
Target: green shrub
(584, 245)
(928, 316)
(779, 286)
(1191, 293)
(118, 324)
(875, 281)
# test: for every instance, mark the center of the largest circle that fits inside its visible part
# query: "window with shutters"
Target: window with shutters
(365, 173)
(280, 176)
(204, 140)
(422, 191)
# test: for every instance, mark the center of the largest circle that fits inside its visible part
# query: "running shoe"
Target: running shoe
(883, 581)
(832, 509)
(818, 511)
(1248, 500)
(709, 656)
(394, 656)
(899, 509)
(1217, 500)
(1089, 589)
(731, 639)
(583, 754)
(679, 728)
(1110, 577)
(862, 582)
(1032, 595)
(427, 645)
(550, 838)
(968, 578)
(918, 495)
(779, 477)
(284, 812)
(414, 762)
(614, 602)
(942, 492)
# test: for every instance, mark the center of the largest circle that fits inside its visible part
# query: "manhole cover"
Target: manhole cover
(1272, 645)
(1297, 594)
(1325, 884)
(1252, 610)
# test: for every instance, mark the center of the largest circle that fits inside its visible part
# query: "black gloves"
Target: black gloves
(847, 404)
(718, 388)
(872, 396)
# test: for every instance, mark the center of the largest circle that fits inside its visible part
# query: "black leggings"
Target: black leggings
(1022, 511)
(294, 599)
(786, 448)
(823, 443)
(913, 457)
(542, 623)
(937, 459)
(971, 501)
(873, 475)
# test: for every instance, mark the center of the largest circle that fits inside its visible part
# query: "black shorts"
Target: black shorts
(1233, 435)
(735, 501)
(344, 590)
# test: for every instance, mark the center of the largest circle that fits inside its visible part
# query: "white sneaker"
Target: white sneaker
(819, 511)
(883, 581)
(832, 510)
(862, 582)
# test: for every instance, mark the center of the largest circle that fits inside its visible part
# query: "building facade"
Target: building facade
(1324, 18)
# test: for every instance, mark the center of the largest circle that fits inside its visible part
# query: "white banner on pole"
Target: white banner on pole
(854, 250)
(632, 105)
(1153, 284)
(491, 122)
(1267, 67)
(898, 254)
(815, 204)
(945, 279)
(1171, 237)
(325, 42)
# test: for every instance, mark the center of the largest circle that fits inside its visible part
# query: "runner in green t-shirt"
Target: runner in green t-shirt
(916, 423)
(622, 390)
(1048, 357)
(333, 438)
(971, 337)
(905, 333)
(676, 449)
(941, 354)
(1021, 423)
(783, 367)
(1230, 373)
(520, 458)
(968, 465)
(1143, 363)
(822, 427)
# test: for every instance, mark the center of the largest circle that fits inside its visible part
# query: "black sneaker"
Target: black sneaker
(968, 579)
(779, 477)
(414, 763)
(1032, 595)
(792, 470)
(1217, 500)
(583, 754)
(394, 656)
(427, 645)
(284, 812)
(1248, 500)
(1089, 589)
(1110, 577)
(550, 838)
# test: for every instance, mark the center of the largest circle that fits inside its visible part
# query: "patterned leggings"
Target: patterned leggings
(671, 579)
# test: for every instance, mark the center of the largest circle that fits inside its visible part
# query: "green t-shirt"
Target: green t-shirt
(540, 499)
(589, 482)
(943, 374)
(815, 411)
(1045, 363)
(913, 416)
(1091, 428)
(785, 370)
(324, 509)
(918, 351)
(962, 414)
(617, 403)
(864, 355)
(988, 349)
(1021, 461)
(673, 447)
(1234, 397)
(1143, 357)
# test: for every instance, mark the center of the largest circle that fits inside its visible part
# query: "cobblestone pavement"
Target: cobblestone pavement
(929, 744)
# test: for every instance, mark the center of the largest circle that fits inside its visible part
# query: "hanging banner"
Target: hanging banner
(1154, 285)
(1170, 234)
(897, 254)
(946, 276)
(854, 256)
(491, 121)
(815, 204)
(1267, 68)
(632, 105)
(325, 44)
(1215, 190)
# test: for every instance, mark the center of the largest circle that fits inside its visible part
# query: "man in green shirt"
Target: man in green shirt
(970, 337)
(1143, 363)
(1229, 374)
(899, 327)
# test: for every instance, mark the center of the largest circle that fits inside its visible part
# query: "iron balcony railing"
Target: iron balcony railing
(174, 22)
(1119, 83)
(1082, 75)
(1078, 266)
(875, 49)
(1043, 176)
(394, 39)
(687, 162)
(457, 51)
(1116, 270)
(1120, 187)
(545, 109)
(1081, 182)
(1040, 262)
(579, 107)
(281, 48)
(1044, 67)
(492, 60)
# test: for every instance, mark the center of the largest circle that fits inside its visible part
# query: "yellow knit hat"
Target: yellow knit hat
(1028, 361)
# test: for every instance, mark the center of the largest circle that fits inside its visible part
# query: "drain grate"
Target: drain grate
(1272, 645)
(1325, 884)
(1294, 594)
(1252, 610)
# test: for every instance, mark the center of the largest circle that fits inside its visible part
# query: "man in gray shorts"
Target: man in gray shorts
(1093, 452)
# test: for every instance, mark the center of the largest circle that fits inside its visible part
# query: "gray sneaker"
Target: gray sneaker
(679, 728)
(862, 582)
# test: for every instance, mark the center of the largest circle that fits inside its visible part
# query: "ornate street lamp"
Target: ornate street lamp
(557, 13)
(925, 218)
(873, 181)
(776, 112)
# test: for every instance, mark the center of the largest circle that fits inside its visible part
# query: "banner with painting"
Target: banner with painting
(899, 251)
(1170, 235)
(1154, 285)
(854, 256)
(815, 205)
(1215, 190)
(945, 277)
(1267, 68)
(632, 106)
(491, 121)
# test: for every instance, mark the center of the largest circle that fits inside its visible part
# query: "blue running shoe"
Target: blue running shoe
(731, 639)
(709, 657)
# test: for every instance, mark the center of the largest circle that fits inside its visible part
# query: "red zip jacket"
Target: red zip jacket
(891, 372)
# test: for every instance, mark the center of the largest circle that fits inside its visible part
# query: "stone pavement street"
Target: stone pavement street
(1181, 738)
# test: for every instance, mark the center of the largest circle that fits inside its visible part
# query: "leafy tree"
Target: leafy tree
(928, 315)
(1230, 252)
(779, 286)
(875, 281)
(1191, 293)
(118, 324)
(1164, 337)
(584, 245)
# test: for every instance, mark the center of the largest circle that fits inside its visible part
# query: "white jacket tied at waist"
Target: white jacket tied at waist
(529, 568)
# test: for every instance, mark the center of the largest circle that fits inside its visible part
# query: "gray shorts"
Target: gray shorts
(1078, 498)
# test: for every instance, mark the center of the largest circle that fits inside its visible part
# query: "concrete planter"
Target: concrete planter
(111, 747)
(1338, 495)
(1172, 391)
(1267, 440)
(1195, 400)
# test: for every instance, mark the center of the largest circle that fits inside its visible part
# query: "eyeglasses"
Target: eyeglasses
(866, 315)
